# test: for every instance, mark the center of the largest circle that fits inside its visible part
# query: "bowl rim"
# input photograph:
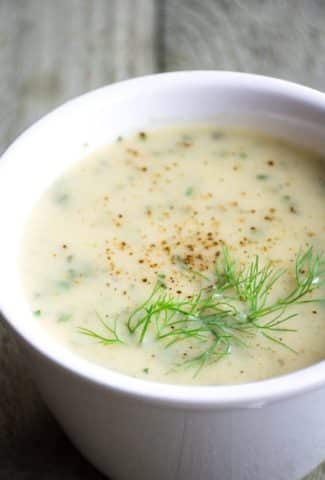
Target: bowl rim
(252, 394)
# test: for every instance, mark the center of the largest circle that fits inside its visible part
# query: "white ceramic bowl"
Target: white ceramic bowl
(130, 428)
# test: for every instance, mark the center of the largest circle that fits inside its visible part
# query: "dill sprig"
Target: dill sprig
(113, 337)
(236, 305)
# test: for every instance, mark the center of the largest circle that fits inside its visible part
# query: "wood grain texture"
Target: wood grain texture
(277, 38)
(52, 50)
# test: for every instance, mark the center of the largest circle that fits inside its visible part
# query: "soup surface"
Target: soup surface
(149, 219)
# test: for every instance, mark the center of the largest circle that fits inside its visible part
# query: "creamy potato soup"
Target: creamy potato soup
(188, 254)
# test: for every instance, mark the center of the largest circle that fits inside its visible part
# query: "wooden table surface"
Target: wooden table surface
(52, 50)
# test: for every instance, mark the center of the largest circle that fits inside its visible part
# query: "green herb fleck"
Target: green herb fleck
(37, 313)
(62, 199)
(262, 176)
(146, 370)
(113, 335)
(64, 317)
(189, 191)
(64, 285)
(187, 138)
(162, 279)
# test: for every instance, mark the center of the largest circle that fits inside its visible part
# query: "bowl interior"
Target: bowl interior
(44, 151)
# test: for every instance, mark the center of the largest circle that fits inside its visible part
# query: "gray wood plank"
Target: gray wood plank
(51, 51)
(284, 39)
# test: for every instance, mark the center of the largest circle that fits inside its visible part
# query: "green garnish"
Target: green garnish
(37, 313)
(62, 198)
(236, 305)
(64, 317)
(111, 340)
(146, 370)
(64, 285)
(286, 197)
(262, 176)
(189, 191)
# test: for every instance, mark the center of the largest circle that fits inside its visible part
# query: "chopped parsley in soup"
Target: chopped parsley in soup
(188, 254)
